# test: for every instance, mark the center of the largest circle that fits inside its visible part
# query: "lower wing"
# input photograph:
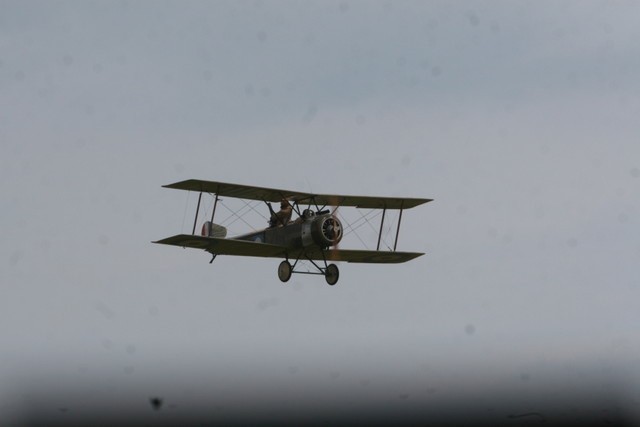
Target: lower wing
(363, 256)
(225, 246)
(247, 248)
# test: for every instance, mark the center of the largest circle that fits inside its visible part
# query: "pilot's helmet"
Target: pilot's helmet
(284, 203)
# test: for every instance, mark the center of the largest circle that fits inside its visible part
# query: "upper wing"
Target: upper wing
(369, 202)
(275, 195)
(364, 256)
(225, 246)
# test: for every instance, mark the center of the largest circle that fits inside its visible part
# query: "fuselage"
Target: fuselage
(322, 231)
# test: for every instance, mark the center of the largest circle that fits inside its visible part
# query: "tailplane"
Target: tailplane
(210, 229)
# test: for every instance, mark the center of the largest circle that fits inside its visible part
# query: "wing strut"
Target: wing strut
(398, 229)
(215, 204)
(196, 218)
(381, 225)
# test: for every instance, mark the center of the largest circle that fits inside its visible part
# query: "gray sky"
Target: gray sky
(519, 118)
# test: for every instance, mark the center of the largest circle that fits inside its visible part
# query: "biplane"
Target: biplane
(313, 236)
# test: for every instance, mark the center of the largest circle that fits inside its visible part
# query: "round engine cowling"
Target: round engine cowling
(326, 231)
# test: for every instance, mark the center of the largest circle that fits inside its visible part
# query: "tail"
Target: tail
(210, 229)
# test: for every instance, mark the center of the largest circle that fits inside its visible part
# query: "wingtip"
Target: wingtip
(172, 185)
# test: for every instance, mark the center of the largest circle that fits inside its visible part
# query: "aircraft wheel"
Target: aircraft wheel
(332, 274)
(284, 271)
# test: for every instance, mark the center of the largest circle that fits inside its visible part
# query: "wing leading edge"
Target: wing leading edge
(275, 195)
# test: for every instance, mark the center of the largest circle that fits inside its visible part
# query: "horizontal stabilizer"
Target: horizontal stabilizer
(210, 229)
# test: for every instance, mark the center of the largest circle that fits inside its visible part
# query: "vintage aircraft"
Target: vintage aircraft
(313, 236)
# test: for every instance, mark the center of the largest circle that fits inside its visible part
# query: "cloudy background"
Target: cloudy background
(519, 118)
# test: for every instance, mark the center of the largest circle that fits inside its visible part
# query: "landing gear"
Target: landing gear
(331, 274)
(284, 271)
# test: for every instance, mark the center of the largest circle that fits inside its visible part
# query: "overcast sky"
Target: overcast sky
(519, 118)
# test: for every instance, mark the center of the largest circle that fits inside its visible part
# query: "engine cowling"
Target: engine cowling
(326, 231)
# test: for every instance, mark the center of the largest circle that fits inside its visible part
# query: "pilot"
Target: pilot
(282, 217)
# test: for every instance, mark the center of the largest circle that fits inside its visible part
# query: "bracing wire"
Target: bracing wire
(350, 230)
(237, 215)
(252, 206)
(184, 215)
(386, 234)
(351, 227)
(364, 219)
(358, 223)
(368, 222)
